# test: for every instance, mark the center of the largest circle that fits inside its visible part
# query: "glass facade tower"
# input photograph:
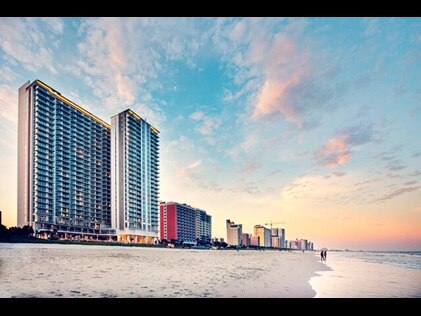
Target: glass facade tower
(64, 178)
(135, 178)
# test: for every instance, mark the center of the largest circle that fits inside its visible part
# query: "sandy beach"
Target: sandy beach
(36, 270)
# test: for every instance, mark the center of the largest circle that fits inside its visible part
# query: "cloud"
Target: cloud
(395, 167)
(7, 74)
(122, 59)
(416, 173)
(208, 125)
(280, 71)
(274, 173)
(338, 150)
(23, 40)
(397, 192)
(182, 143)
(371, 27)
(55, 24)
(374, 180)
(153, 114)
(188, 170)
(196, 116)
(122, 63)
(250, 167)
(335, 152)
(339, 174)
(8, 104)
(272, 98)
(251, 189)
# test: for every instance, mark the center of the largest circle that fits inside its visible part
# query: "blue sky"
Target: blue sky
(314, 122)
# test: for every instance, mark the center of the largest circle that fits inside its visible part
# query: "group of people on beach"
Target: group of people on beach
(323, 255)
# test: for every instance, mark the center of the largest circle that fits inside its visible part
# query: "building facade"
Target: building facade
(135, 178)
(278, 237)
(234, 233)
(203, 226)
(275, 242)
(63, 166)
(255, 241)
(283, 243)
(264, 236)
(245, 240)
(184, 224)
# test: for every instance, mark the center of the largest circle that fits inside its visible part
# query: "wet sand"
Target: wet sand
(355, 278)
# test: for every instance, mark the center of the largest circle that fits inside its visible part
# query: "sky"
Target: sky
(313, 123)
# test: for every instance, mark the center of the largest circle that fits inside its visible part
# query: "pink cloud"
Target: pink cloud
(273, 98)
(250, 167)
(284, 67)
(335, 152)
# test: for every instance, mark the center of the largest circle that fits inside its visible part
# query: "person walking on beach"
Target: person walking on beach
(321, 255)
(324, 254)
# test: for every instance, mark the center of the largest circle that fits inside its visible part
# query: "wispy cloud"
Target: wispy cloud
(122, 59)
(196, 116)
(410, 182)
(8, 102)
(55, 24)
(396, 193)
(208, 125)
(250, 167)
(371, 27)
(189, 169)
(416, 173)
(282, 72)
(23, 40)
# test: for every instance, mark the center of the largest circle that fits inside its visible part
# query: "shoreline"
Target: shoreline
(53, 270)
(354, 277)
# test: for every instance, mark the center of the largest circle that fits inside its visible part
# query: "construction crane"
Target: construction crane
(273, 223)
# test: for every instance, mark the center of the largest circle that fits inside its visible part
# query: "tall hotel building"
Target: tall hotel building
(181, 222)
(134, 174)
(63, 166)
(264, 236)
(234, 233)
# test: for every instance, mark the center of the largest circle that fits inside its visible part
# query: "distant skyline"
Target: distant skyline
(314, 122)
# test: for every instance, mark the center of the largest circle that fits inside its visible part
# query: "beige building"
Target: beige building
(264, 234)
(275, 242)
(234, 233)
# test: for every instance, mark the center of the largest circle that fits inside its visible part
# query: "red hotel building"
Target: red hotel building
(181, 222)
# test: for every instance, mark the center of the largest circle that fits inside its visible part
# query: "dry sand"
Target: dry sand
(37, 270)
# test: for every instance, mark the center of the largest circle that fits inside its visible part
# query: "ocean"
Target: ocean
(405, 259)
(376, 274)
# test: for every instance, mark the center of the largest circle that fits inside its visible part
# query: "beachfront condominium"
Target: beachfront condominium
(63, 166)
(203, 226)
(234, 233)
(135, 178)
(185, 224)
(264, 234)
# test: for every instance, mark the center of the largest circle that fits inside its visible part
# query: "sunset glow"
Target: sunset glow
(312, 122)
